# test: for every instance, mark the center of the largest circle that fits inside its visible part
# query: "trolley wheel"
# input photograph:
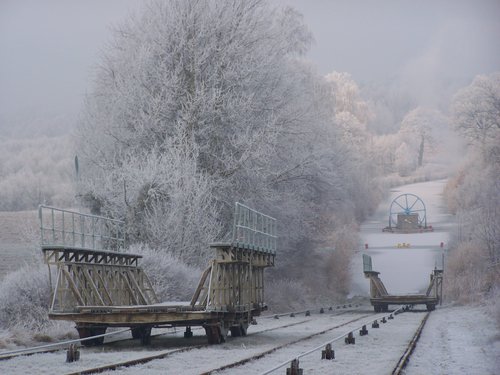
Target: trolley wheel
(89, 331)
(142, 333)
(431, 307)
(239, 330)
(213, 334)
(244, 328)
(216, 333)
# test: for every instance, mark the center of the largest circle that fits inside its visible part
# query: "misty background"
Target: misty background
(422, 51)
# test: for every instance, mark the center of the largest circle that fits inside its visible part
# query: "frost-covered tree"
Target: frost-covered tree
(201, 103)
(474, 193)
(347, 96)
(476, 114)
(210, 98)
(208, 81)
(404, 162)
(35, 171)
(419, 129)
(351, 115)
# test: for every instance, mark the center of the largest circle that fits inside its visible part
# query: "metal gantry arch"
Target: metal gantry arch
(407, 204)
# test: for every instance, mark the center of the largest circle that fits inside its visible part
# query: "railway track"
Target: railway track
(292, 338)
(56, 347)
(239, 362)
(165, 354)
(272, 350)
(123, 343)
(344, 363)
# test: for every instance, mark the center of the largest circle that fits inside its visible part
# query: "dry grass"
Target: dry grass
(468, 277)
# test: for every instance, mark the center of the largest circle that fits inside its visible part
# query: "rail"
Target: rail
(403, 361)
(34, 349)
(59, 227)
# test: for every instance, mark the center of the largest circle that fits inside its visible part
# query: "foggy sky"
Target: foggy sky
(429, 48)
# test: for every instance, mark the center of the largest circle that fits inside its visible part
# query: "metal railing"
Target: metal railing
(367, 263)
(254, 229)
(67, 228)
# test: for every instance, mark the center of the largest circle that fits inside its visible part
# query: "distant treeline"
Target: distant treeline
(34, 171)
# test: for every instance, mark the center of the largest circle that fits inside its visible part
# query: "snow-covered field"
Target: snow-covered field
(18, 231)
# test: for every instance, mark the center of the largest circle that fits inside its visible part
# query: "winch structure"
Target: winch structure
(407, 214)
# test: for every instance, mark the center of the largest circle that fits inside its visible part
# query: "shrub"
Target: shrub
(467, 277)
(172, 279)
(24, 299)
(286, 295)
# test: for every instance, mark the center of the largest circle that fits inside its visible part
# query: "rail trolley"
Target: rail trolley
(99, 285)
(381, 299)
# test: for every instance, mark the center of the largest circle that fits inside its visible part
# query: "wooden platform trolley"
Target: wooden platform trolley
(99, 285)
(381, 299)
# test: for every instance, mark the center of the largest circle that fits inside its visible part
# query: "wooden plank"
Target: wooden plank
(131, 276)
(104, 288)
(73, 287)
(201, 285)
(129, 287)
(86, 274)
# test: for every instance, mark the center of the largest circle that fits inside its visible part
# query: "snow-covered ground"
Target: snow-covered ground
(457, 340)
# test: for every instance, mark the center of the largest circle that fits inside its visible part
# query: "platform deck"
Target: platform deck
(409, 299)
(154, 315)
